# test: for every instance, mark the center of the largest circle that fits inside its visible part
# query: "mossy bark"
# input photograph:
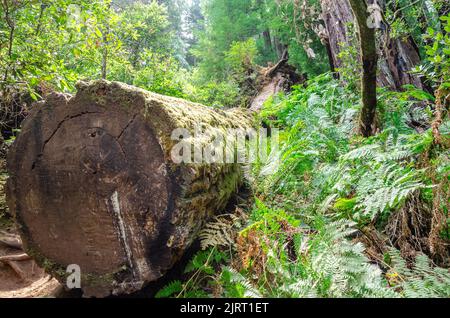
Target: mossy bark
(92, 183)
(369, 59)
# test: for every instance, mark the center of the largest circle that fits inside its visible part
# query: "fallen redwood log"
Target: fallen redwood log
(92, 182)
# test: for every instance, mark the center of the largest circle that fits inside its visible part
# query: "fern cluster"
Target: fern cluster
(380, 176)
(326, 264)
(423, 280)
(300, 238)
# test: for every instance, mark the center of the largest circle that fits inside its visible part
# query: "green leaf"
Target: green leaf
(170, 289)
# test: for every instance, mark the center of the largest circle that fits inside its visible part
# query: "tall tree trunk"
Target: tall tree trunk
(369, 58)
(105, 34)
(267, 40)
(11, 26)
(280, 48)
(336, 15)
(399, 56)
(330, 58)
(105, 53)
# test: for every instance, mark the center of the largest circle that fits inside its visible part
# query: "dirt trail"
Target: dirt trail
(23, 278)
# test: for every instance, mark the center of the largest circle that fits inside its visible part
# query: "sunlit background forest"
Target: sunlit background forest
(191, 49)
(346, 214)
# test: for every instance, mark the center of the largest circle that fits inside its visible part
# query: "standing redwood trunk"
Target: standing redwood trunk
(330, 58)
(92, 183)
(369, 58)
(336, 15)
(400, 54)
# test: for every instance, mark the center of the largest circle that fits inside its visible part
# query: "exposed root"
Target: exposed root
(439, 248)
(408, 229)
(10, 240)
(14, 258)
(439, 116)
(274, 79)
(376, 244)
(18, 270)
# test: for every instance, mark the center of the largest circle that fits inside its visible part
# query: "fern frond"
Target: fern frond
(422, 281)
(170, 289)
(221, 231)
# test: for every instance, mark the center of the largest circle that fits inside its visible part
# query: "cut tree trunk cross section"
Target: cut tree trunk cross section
(92, 183)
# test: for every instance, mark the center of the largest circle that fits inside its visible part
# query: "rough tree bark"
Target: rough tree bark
(280, 48)
(336, 15)
(327, 44)
(369, 58)
(399, 56)
(267, 40)
(92, 183)
(11, 25)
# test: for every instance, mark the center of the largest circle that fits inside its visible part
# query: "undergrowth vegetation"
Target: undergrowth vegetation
(343, 216)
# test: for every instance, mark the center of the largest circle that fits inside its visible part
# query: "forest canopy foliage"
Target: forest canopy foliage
(344, 215)
(193, 49)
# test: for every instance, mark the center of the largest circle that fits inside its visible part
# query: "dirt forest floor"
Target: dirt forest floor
(19, 275)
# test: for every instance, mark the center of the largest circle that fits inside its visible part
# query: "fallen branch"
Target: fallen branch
(16, 268)
(10, 240)
(274, 69)
(15, 258)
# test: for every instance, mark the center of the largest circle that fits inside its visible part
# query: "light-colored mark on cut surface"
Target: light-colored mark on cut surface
(116, 208)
